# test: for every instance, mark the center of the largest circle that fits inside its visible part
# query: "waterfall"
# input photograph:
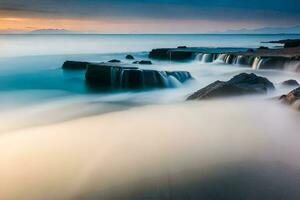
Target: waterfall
(199, 57)
(207, 58)
(293, 66)
(173, 82)
(239, 60)
(220, 58)
(257, 63)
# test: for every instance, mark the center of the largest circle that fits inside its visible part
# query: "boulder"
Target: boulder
(161, 54)
(292, 98)
(129, 57)
(74, 65)
(241, 84)
(290, 83)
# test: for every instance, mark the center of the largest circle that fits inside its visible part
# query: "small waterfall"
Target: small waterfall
(199, 57)
(207, 58)
(228, 59)
(164, 78)
(239, 60)
(173, 82)
(293, 66)
(256, 63)
(220, 58)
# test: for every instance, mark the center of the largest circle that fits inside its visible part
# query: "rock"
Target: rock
(241, 84)
(111, 76)
(263, 48)
(291, 98)
(160, 54)
(170, 54)
(135, 62)
(114, 61)
(290, 83)
(75, 65)
(129, 57)
(181, 47)
(250, 50)
(145, 62)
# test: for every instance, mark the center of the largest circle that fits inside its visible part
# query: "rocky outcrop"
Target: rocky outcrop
(168, 54)
(75, 65)
(241, 84)
(127, 77)
(129, 57)
(292, 98)
(290, 83)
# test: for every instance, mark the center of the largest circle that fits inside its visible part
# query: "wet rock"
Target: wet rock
(109, 76)
(129, 57)
(292, 98)
(241, 84)
(75, 65)
(181, 47)
(145, 62)
(168, 54)
(114, 61)
(290, 83)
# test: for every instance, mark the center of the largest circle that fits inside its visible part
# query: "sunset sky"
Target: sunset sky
(146, 16)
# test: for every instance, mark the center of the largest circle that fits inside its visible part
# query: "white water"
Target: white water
(58, 141)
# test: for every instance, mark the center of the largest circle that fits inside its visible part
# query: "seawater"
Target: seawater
(59, 141)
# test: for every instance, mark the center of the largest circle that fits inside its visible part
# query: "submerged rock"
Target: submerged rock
(241, 84)
(75, 65)
(290, 83)
(292, 98)
(116, 77)
(145, 62)
(129, 57)
(114, 61)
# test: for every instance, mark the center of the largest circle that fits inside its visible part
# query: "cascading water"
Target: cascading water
(220, 58)
(199, 57)
(256, 63)
(207, 58)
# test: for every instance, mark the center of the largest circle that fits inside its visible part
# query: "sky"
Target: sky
(147, 16)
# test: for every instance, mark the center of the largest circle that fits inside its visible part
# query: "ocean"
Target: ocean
(59, 140)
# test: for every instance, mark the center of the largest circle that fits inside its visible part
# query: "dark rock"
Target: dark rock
(292, 98)
(115, 77)
(75, 65)
(114, 61)
(161, 54)
(290, 83)
(250, 50)
(145, 62)
(263, 47)
(129, 57)
(241, 84)
(135, 62)
(169, 54)
(181, 47)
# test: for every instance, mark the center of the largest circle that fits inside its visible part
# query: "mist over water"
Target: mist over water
(59, 141)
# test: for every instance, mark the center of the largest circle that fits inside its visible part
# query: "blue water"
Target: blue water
(31, 74)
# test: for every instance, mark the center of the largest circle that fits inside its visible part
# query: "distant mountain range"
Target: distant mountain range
(266, 30)
(52, 31)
